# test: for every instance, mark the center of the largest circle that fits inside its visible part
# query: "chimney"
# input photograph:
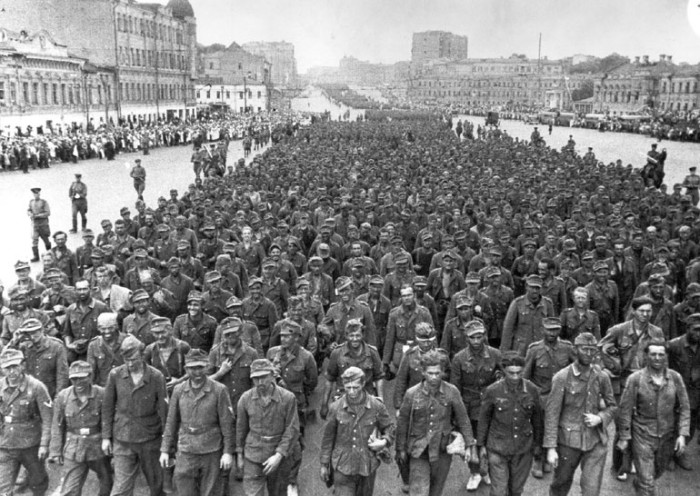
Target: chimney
(645, 59)
(636, 60)
(662, 57)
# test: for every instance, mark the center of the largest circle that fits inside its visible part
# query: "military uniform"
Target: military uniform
(198, 334)
(367, 360)
(307, 338)
(604, 300)
(237, 380)
(400, 331)
(510, 427)
(214, 304)
(338, 316)
(139, 327)
(523, 323)
(297, 370)
(542, 361)
(410, 373)
(46, 361)
(26, 425)
(104, 357)
(263, 314)
(76, 436)
(574, 323)
(81, 324)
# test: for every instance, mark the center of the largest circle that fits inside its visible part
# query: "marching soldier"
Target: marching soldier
(76, 432)
(78, 197)
(39, 213)
(104, 351)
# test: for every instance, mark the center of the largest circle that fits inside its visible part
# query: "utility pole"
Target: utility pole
(539, 68)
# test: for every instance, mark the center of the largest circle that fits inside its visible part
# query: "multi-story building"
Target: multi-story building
(238, 97)
(485, 82)
(433, 45)
(151, 48)
(644, 84)
(280, 54)
(232, 65)
(43, 87)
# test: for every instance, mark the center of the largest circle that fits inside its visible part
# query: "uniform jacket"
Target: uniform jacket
(237, 380)
(297, 369)
(47, 362)
(103, 358)
(523, 323)
(400, 331)
(197, 334)
(76, 432)
(543, 361)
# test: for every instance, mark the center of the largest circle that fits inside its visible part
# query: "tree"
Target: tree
(585, 91)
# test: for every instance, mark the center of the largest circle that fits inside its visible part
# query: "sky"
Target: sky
(323, 31)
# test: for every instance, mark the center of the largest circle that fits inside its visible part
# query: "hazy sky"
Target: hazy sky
(323, 31)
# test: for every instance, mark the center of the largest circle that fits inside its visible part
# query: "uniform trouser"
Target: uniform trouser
(43, 231)
(295, 453)
(128, 458)
(10, 462)
(139, 186)
(255, 482)
(353, 485)
(264, 338)
(198, 474)
(651, 457)
(75, 473)
(79, 207)
(694, 196)
(480, 467)
(509, 473)
(428, 478)
(592, 465)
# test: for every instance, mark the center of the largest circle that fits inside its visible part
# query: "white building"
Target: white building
(239, 98)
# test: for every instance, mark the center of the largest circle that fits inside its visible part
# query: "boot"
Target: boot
(48, 245)
(35, 252)
(537, 471)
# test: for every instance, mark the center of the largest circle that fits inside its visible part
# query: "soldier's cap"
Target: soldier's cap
(323, 247)
(641, 300)
(401, 258)
(17, 291)
(293, 240)
(268, 216)
(53, 272)
(396, 239)
(162, 228)
(140, 253)
(600, 265)
(492, 271)
(295, 301)
(585, 339)
(325, 228)
(234, 302)
(342, 282)
(662, 248)
(174, 261)
(449, 255)
(301, 282)
(569, 244)
(358, 264)
(194, 295)
(352, 374)
(138, 295)
(529, 242)
(587, 255)
(231, 324)
(36, 190)
(427, 235)
(290, 327)
(420, 281)
(475, 326)
(315, 260)
(107, 319)
(353, 324)
(125, 251)
(424, 330)
(693, 321)
(254, 281)
(686, 198)
(79, 369)
(182, 244)
(472, 277)
(229, 247)
(97, 253)
(138, 160)
(196, 358)
(88, 233)
(131, 345)
(534, 280)
(551, 323)
(376, 280)
(31, 325)
(496, 250)
(268, 262)
(212, 276)
(161, 322)
(656, 278)
(693, 168)
(106, 223)
(21, 265)
(261, 367)
(463, 301)
(692, 290)
(10, 357)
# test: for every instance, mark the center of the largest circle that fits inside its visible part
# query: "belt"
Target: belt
(9, 419)
(266, 438)
(85, 431)
(198, 430)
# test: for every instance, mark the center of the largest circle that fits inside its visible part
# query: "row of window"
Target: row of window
(149, 29)
(136, 57)
(35, 93)
(207, 94)
(487, 94)
(150, 91)
(469, 83)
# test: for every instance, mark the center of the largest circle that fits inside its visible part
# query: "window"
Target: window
(45, 93)
(70, 96)
(240, 95)
(228, 95)
(218, 95)
(259, 94)
(35, 93)
(99, 94)
(208, 95)
(198, 94)
(25, 93)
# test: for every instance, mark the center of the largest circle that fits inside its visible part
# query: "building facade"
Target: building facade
(43, 87)
(150, 48)
(232, 65)
(643, 84)
(433, 45)
(238, 98)
(280, 55)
